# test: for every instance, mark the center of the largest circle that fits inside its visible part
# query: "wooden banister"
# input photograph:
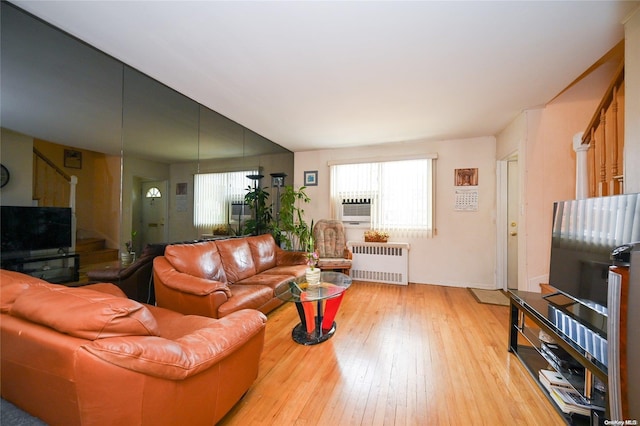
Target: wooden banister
(52, 187)
(51, 164)
(605, 146)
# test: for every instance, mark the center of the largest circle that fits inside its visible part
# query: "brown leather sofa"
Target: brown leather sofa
(216, 278)
(136, 279)
(91, 356)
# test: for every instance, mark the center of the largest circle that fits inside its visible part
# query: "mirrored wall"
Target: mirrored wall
(139, 142)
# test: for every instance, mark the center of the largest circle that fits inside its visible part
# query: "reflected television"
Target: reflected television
(27, 229)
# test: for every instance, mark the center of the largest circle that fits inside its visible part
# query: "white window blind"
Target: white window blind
(401, 193)
(213, 192)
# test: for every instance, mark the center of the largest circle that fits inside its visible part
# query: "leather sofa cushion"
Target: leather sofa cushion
(206, 341)
(236, 258)
(265, 279)
(263, 251)
(246, 297)
(200, 260)
(13, 285)
(108, 288)
(84, 313)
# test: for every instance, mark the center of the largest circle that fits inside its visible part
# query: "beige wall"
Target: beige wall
(511, 140)
(632, 103)
(550, 167)
(16, 154)
(462, 253)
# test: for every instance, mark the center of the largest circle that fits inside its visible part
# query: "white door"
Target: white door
(513, 203)
(154, 212)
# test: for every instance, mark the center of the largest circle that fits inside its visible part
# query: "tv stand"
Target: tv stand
(55, 268)
(540, 344)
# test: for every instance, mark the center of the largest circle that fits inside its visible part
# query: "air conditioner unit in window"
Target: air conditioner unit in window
(239, 212)
(356, 210)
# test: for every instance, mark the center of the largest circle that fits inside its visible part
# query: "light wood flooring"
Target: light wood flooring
(402, 355)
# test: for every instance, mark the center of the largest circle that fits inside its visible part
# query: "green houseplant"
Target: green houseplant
(260, 223)
(292, 231)
(128, 256)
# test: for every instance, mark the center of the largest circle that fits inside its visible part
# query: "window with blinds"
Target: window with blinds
(214, 193)
(401, 193)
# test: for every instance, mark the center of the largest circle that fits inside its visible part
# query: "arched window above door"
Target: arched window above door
(153, 192)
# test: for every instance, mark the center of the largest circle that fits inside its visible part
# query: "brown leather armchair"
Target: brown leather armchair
(136, 280)
(330, 242)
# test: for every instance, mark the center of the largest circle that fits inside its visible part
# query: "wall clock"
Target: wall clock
(4, 176)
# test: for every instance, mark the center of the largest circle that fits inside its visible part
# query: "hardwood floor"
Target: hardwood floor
(401, 355)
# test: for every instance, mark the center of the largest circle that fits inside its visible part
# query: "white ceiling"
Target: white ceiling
(312, 75)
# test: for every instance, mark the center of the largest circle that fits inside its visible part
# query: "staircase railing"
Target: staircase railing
(605, 138)
(51, 185)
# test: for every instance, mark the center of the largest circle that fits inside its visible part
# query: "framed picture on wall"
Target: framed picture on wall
(311, 178)
(466, 177)
(72, 159)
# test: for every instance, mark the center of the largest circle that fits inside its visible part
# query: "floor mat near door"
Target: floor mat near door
(490, 297)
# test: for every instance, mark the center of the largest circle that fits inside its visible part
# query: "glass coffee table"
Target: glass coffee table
(317, 305)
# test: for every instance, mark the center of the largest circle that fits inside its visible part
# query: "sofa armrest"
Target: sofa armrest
(168, 276)
(105, 275)
(209, 342)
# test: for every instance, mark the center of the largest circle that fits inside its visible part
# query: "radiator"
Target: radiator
(380, 262)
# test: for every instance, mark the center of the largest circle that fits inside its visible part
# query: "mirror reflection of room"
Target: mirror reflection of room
(127, 132)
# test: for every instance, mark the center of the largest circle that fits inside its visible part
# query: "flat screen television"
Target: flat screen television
(26, 229)
(583, 235)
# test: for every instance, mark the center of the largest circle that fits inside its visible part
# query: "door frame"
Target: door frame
(502, 221)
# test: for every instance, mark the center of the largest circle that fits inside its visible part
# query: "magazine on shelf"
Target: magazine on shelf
(570, 401)
(568, 408)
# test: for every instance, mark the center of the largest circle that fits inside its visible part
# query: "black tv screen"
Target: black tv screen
(34, 228)
(583, 235)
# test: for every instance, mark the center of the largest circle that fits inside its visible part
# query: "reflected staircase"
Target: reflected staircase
(93, 255)
(93, 250)
(55, 188)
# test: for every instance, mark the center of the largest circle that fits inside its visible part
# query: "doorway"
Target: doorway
(154, 212)
(508, 223)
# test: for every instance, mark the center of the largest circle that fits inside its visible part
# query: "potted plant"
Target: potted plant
(129, 256)
(373, 236)
(293, 232)
(260, 223)
(312, 273)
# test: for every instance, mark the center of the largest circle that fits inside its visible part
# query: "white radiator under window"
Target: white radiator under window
(380, 262)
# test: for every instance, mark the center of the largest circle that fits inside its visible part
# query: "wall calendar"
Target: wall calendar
(466, 200)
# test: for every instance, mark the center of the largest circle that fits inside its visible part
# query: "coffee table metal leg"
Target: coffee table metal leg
(303, 334)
